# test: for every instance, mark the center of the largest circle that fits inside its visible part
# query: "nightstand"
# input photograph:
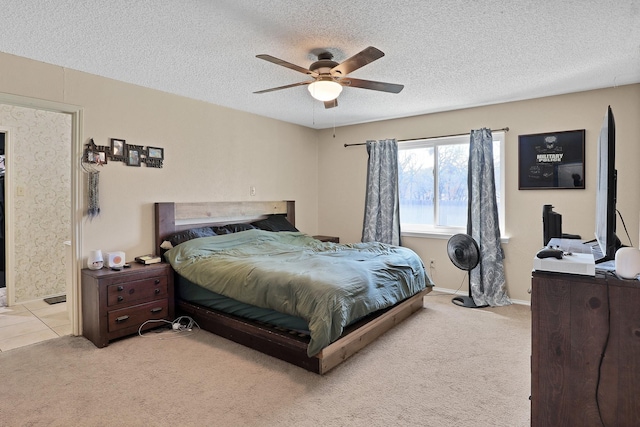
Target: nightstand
(327, 238)
(116, 303)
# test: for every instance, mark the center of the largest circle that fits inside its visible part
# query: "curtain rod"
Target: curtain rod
(506, 129)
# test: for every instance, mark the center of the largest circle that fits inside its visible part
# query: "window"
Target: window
(432, 179)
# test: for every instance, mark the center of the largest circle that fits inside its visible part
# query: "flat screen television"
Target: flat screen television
(606, 190)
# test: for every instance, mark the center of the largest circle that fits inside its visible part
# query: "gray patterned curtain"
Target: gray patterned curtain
(487, 279)
(382, 205)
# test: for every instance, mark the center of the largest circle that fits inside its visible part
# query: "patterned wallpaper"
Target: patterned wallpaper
(41, 167)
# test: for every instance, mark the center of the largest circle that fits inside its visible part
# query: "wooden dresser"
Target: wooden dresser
(117, 303)
(573, 319)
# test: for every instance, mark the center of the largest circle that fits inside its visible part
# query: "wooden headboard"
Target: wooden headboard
(171, 217)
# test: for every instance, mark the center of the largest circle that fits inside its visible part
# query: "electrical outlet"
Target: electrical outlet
(252, 191)
(432, 263)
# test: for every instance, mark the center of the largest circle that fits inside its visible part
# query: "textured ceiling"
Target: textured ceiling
(448, 54)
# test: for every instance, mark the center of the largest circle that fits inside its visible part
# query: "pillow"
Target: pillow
(221, 230)
(193, 233)
(234, 228)
(276, 222)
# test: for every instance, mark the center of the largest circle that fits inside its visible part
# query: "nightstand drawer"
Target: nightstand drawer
(128, 292)
(133, 317)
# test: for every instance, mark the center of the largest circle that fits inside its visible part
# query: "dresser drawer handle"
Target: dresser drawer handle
(157, 281)
(156, 310)
(120, 288)
(121, 319)
(120, 298)
(157, 291)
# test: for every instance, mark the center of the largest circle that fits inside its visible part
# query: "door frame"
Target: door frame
(76, 112)
(8, 217)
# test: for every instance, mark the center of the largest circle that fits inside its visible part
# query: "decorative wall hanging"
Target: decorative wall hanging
(117, 149)
(93, 155)
(120, 151)
(154, 157)
(551, 160)
(93, 190)
(134, 155)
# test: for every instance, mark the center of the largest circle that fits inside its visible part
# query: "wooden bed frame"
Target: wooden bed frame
(171, 217)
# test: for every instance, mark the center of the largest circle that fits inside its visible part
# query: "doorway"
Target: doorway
(3, 290)
(44, 191)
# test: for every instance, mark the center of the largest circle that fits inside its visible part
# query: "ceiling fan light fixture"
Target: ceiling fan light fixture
(329, 76)
(325, 90)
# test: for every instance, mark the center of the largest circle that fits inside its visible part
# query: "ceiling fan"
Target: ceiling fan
(329, 76)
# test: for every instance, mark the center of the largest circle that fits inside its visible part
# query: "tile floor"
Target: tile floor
(32, 322)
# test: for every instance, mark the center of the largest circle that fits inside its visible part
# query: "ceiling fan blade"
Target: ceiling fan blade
(358, 60)
(331, 104)
(370, 84)
(285, 87)
(286, 64)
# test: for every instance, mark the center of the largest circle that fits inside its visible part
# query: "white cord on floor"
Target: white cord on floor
(181, 327)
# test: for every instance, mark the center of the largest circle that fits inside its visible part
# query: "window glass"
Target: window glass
(433, 183)
(452, 185)
(416, 184)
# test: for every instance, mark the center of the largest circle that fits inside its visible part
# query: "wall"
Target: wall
(211, 153)
(215, 153)
(343, 174)
(39, 163)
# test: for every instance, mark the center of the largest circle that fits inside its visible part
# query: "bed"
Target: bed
(297, 320)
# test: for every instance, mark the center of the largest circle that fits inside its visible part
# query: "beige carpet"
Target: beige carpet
(444, 366)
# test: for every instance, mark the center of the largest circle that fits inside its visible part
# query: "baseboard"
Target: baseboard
(452, 292)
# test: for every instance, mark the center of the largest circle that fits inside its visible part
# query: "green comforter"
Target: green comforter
(329, 285)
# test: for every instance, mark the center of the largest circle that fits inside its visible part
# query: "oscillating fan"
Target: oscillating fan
(465, 254)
